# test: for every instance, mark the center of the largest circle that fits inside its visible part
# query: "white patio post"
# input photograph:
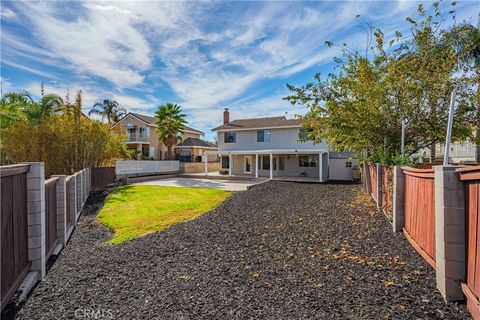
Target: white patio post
(271, 166)
(256, 165)
(320, 167)
(230, 164)
(205, 160)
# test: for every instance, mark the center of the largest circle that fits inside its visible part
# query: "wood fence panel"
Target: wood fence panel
(420, 211)
(50, 216)
(372, 169)
(471, 289)
(102, 177)
(14, 227)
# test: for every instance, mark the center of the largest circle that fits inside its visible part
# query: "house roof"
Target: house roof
(194, 142)
(151, 120)
(259, 123)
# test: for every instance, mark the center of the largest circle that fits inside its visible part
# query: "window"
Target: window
(281, 163)
(142, 132)
(266, 162)
(225, 163)
(348, 164)
(303, 135)
(307, 161)
(230, 137)
(264, 136)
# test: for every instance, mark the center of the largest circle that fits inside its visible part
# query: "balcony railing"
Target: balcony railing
(135, 137)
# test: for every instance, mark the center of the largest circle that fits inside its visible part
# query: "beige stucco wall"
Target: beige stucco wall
(197, 167)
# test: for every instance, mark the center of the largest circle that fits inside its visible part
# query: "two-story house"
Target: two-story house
(269, 147)
(143, 137)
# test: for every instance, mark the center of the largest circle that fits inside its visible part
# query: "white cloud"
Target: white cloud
(7, 13)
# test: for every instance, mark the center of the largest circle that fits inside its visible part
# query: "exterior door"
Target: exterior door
(248, 164)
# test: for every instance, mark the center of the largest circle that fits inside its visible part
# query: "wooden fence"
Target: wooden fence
(69, 209)
(51, 236)
(14, 227)
(372, 170)
(471, 287)
(420, 211)
(102, 177)
(36, 222)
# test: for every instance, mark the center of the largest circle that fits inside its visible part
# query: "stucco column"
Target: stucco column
(256, 165)
(320, 167)
(36, 217)
(450, 243)
(230, 164)
(271, 166)
(398, 199)
(205, 161)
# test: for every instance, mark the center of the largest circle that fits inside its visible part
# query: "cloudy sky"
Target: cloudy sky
(203, 55)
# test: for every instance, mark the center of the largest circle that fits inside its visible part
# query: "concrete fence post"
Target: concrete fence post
(379, 185)
(398, 199)
(61, 210)
(79, 193)
(73, 198)
(449, 232)
(368, 185)
(36, 218)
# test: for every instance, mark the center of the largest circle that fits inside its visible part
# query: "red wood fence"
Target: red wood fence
(471, 289)
(14, 227)
(420, 211)
(102, 177)
(372, 169)
(387, 191)
(50, 216)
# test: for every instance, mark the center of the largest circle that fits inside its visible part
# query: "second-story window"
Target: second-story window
(229, 137)
(303, 135)
(264, 136)
(142, 132)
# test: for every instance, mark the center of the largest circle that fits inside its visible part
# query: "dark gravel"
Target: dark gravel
(278, 251)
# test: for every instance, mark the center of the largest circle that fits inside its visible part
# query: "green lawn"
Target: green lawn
(136, 210)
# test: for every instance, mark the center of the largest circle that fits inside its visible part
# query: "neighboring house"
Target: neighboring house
(192, 149)
(459, 153)
(143, 137)
(271, 147)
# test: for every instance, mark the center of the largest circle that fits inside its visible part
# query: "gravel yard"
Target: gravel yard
(280, 250)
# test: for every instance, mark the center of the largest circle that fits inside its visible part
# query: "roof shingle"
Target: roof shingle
(259, 123)
(194, 142)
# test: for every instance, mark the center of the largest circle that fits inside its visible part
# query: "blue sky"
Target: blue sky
(203, 55)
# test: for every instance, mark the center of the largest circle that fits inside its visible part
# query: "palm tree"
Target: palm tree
(170, 123)
(34, 111)
(108, 109)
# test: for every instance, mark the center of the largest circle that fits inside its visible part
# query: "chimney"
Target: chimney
(226, 116)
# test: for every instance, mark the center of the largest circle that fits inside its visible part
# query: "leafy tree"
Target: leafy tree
(170, 123)
(466, 40)
(108, 109)
(361, 107)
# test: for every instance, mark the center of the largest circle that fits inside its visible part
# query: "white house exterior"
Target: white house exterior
(270, 147)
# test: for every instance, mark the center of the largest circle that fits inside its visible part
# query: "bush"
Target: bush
(65, 143)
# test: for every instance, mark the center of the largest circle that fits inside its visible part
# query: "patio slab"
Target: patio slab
(222, 184)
